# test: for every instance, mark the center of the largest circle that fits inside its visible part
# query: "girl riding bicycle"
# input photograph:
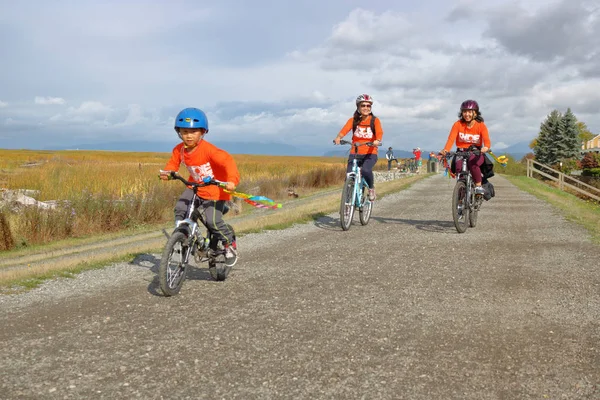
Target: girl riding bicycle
(470, 130)
(203, 159)
(362, 125)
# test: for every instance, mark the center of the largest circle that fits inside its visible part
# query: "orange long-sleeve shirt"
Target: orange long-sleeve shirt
(206, 160)
(464, 136)
(363, 134)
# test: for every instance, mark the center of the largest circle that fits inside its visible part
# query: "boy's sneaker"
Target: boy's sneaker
(230, 254)
(372, 195)
(479, 190)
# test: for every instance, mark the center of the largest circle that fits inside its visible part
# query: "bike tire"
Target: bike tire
(172, 271)
(216, 264)
(475, 212)
(473, 216)
(460, 209)
(347, 204)
(364, 212)
(216, 260)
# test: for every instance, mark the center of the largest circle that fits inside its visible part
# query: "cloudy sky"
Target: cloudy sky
(84, 71)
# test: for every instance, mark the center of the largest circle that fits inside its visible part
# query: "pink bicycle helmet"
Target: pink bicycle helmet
(469, 105)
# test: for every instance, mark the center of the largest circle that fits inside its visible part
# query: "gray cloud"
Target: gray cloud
(566, 31)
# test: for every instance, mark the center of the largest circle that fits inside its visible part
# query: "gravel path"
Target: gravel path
(404, 308)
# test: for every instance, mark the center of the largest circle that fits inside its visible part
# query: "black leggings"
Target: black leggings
(366, 162)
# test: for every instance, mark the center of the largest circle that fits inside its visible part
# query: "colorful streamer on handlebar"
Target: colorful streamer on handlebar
(447, 171)
(502, 160)
(256, 201)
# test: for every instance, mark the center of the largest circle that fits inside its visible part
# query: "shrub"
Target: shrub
(590, 160)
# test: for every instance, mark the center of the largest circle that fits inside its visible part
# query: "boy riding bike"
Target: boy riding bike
(365, 128)
(202, 159)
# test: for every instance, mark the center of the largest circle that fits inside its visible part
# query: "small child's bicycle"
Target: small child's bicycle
(355, 194)
(187, 241)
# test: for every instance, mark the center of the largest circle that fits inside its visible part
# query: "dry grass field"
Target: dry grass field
(99, 192)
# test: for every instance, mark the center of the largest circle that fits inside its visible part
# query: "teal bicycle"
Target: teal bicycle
(355, 194)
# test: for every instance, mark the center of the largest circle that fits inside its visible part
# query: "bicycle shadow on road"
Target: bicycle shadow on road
(436, 226)
(150, 262)
(333, 224)
(327, 223)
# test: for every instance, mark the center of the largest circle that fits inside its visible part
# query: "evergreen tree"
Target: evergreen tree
(568, 145)
(558, 139)
(544, 149)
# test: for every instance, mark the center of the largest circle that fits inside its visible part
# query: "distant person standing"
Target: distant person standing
(417, 153)
(389, 155)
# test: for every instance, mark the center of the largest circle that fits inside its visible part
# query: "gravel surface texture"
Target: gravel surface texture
(403, 308)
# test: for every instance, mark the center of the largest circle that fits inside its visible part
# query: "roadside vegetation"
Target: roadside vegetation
(98, 192)
(104, 197)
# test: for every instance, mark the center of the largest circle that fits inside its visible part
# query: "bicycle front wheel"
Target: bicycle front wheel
(364, 212)
(172, 268)
(460, 208)
(347, 204)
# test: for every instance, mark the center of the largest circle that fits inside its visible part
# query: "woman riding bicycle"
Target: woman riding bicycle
(362, 124)
(468, 131)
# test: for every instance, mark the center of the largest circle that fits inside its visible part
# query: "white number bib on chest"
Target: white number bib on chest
(200, 172)
(469, 137)
(363, 133)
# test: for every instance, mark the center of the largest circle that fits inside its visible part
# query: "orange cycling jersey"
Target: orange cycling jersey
(206, 160)
(464, 136)
(363, 134)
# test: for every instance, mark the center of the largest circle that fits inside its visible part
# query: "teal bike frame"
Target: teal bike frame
(355, 194)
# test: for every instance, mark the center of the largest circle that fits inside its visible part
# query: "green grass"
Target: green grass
(23, 285)
(583, 212)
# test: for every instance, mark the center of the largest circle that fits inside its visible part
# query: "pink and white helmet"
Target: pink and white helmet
(364, 98)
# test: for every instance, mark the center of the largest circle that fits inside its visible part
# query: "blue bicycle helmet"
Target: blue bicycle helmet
(191, 118)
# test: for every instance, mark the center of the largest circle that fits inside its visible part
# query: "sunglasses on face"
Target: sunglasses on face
(365, 105)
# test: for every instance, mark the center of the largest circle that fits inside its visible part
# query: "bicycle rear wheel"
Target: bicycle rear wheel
(460, 208)
(364, 211)
(216, 260)
(172, 268)
(347, 204)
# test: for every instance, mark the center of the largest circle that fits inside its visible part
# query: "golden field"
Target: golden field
(101, 191)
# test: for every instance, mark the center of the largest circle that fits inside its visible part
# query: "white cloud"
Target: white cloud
(135, 116)
(49, 100)
(3, 104)
(500, 145)
(88, 111)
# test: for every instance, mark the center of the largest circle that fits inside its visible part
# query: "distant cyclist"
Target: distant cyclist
(365, 127)
(470, 130)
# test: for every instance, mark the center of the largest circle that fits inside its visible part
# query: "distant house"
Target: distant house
(592, 145)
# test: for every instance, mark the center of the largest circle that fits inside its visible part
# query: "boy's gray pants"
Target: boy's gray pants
(213, 215)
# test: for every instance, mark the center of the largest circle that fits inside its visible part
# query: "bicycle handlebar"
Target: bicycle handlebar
(205, 182)
(370, 144)
(466, 152)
